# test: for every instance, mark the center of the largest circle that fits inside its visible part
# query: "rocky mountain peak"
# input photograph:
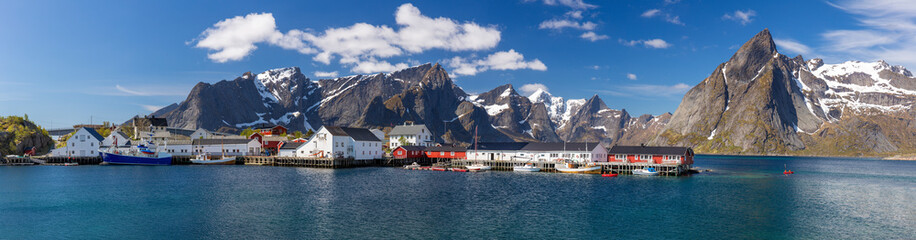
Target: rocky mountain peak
(813, 64)
(436, 76)
(748, 61)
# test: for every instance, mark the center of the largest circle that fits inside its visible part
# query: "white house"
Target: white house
(227, 146)
(342, 142)
(177, 147)
(85, 142)
(575, 151)
(414, 135)
(289, 149)
(118, 137)
(201, 133)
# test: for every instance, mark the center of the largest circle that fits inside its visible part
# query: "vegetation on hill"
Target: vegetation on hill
(18, 134)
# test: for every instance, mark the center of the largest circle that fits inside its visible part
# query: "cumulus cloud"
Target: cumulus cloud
(888, 32)
(558, 24)
(651, 13)
(326, 74)
(574, 4)
(530, 88)
(649, 43)
(743, 17)
(574, 14)
(631, 76)
(361, 46)
(504, 60)
(592, 36)
(792, 46)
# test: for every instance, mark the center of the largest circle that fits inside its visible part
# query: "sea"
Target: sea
(739, 197)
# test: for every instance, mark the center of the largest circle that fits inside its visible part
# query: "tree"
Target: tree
(309, 133)
(247, 132)
(403, 141)
(297, 134)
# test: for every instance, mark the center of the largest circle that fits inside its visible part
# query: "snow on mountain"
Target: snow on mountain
(863, 86)
(560, 112)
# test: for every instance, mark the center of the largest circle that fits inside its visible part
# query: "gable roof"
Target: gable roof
(218, 141)
(358, 134)
(94, 133)
(649, 150)
(559, 146)
(291, 145)
(124, 135)
(408, 130)
(412, 148)
(497, 146)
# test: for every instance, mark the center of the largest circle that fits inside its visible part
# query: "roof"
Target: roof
(178, 142)
(499, 146)
(124, 135)
(412, 148)
(407, 130)
(446, 149)
(94, 133)
(274, 139)
(291, 145)
(219, 141)
(559, 146)
(649, 150)
(358, 134)
(180, 131)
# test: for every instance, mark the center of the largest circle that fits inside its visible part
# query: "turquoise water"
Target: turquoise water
(743, 197)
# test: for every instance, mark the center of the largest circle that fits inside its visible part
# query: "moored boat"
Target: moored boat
(645, 171)
(609, 175)
(140, 155)
(573, 168)
(479, 167)
(441, 169)
(221, 161)
(458, 169)
(413, 165)
(528, 167)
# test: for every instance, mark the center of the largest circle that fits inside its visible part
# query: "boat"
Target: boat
(221, 161)
(458, 169)
(139, 155)
(609, 175)
(645, 171)
(441, 169)
(71, 164)
(573, 168)
(413, 165)
(786, 171)
(528, 167)
(478, 167)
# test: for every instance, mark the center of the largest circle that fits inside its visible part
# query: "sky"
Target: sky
(72, 62)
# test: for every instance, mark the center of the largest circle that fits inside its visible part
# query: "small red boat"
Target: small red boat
(786, 171)
(441, 169)
(459, 170)
(609, 175)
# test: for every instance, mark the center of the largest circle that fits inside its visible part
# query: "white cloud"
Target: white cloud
(326, 74)
(666, 16)
(592, 36)
(631, 76)
(651, 13)
(792, 46)
(151, 108)
(650, 43)
(574, 14)
(147, 91)
(888, 32)
(504, 60)
(743, 17)
(595, 67)
(574, 4)
(234, 38)
(530, 88)
(361, 46)
(558, 24)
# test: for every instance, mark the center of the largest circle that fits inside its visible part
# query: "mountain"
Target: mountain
(763, 102)
(18, 134)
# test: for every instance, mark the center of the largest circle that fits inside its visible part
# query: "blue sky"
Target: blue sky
(66, 62)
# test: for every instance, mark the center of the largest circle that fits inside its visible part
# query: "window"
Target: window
(620, 156)
(645, 157)
(453, 153)
(442, 153)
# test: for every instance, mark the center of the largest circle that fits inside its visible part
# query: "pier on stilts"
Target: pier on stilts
(548, 166)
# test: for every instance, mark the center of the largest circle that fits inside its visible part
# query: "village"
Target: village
(335, 147)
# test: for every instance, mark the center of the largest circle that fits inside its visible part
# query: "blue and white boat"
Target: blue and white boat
(647, 172)
(140, 155)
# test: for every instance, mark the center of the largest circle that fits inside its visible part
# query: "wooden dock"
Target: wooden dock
(548, 166)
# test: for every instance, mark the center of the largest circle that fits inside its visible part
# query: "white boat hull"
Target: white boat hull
(644, 172)
(479, 167)
(526, 169)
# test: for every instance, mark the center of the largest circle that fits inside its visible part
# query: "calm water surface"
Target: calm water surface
(744, 197)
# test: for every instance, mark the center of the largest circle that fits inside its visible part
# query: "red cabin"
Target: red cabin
(270, 130)
(654, 155)
(404, 152)
(446, 152)
(268, 143)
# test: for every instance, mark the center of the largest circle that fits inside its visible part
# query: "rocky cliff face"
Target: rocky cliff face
(763, 102)
(17, 134)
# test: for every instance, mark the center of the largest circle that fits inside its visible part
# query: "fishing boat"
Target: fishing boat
(202, 159)
(577, 168)
(645, 172)
(139, 155)
(528, 167)
(413, 165)
(478, 167)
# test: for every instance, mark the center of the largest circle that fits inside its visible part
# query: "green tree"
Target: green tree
(309, 133)
(403, 141)
(247, 132)
(297, 134)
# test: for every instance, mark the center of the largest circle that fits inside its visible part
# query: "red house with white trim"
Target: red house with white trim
(446, 152)
(652, 155)
(404, 152)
